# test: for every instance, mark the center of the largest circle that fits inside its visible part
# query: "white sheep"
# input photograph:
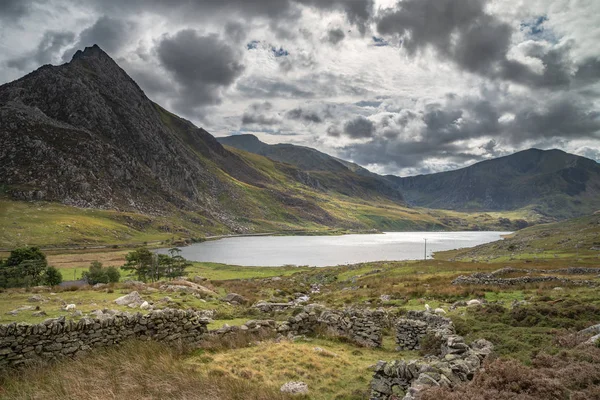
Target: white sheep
(427, 307)
(70, 307)
(439, 311)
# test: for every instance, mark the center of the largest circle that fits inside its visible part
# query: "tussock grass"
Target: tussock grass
(133, 371)
(332, 369)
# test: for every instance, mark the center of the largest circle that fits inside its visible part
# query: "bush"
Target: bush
(26, 267)
(98, 274)
(431, 345)
(52, 276)
(113, 274)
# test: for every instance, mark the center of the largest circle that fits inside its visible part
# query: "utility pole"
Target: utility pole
(425, 257)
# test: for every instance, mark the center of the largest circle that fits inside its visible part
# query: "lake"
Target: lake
(321, 251)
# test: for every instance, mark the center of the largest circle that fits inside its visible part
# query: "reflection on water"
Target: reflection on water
(324, 251)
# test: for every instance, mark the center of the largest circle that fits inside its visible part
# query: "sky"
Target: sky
(399, 87)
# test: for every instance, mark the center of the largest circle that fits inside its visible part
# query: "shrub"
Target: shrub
(431, 345)
(98, 274)
(52, 276)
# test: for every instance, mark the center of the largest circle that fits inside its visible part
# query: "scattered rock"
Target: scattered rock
(474, 302)
(99, 286)
(131, 298)
(26, 308)
(39, 314)
(234, 298)
(145, 305)
(36, 298)
(385, 297)
(294, 388)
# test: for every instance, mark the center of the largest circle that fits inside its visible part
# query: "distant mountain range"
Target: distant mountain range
(84, 134)
(549, 182)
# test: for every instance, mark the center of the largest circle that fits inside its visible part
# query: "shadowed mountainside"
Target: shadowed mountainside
(551, 182)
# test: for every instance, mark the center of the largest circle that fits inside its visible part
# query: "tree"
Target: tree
(98, 274)
(17, 256)
(150, 266)
(52, 276)
(141, 263)
(24, 267)
(177, 264)
(113, 274)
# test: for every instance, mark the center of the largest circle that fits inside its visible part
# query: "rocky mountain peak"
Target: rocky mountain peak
(91, 52)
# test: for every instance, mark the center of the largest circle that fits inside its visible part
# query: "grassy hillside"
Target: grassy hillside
(577, 238)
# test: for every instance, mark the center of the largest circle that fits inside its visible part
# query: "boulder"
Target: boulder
(234, 298)
(474, 302)
(129, 299)
(294, 388)
(36, 298)
(39, 314)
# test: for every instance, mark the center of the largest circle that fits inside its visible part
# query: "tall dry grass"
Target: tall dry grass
(133, 371)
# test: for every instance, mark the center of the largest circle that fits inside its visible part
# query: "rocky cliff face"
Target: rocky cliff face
(85, 134)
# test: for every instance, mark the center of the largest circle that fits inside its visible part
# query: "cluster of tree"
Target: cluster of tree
(149, 266)
(26, 267)
(98, 274)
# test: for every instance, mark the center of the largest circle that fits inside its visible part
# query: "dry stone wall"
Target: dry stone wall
(495, 278)
(410, 330)
(22, 343)
(401, 379)
(360, 326)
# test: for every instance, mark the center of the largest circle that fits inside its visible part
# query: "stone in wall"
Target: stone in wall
(405, 379)
(360, 326)
(410, 330)
(22, 343)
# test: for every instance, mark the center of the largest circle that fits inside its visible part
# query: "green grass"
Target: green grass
(566, 240)
(216, 271)
(339, 371)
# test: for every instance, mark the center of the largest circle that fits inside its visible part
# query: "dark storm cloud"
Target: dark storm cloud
(443, 131)
(12, 10)
(235, 31)
(563, 117)
(200, 65)
(334, 36)
(49, 47)
(359, 12)
(108, 33)
(463, 32)
(303, 115)
(359, 128)
(460, 30)
(198, 10)
(260, 114)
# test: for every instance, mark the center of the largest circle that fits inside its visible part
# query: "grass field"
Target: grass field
(533, 327)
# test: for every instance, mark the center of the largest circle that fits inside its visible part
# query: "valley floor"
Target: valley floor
(538, 353)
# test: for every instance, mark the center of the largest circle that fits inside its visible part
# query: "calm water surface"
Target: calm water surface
(324, 251)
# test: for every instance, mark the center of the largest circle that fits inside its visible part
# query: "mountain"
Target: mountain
(83, 136)
(549, 182)
(336, 174)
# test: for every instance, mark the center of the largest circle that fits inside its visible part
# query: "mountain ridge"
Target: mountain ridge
(551, 182)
